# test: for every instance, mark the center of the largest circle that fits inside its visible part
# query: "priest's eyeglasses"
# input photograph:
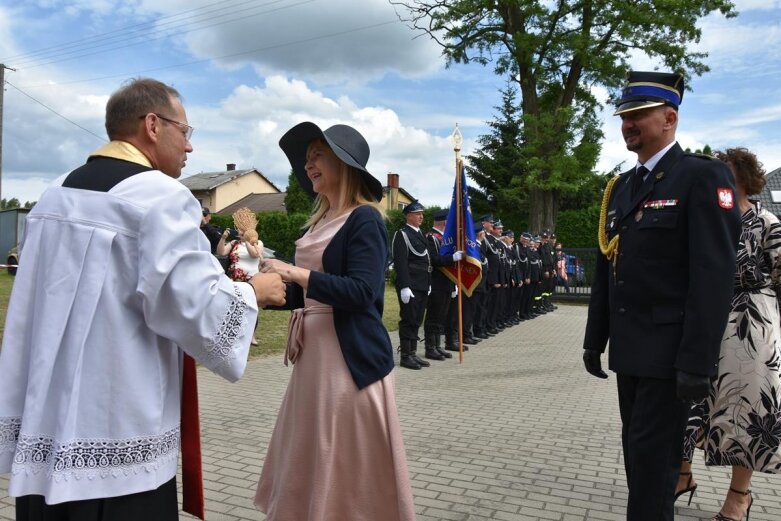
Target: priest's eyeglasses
(187, 130)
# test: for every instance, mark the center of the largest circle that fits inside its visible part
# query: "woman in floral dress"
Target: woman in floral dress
(740, 423)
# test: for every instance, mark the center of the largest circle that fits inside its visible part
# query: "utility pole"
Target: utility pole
(2, 91)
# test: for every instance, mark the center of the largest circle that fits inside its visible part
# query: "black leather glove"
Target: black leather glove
(691, 387)
(593, 363)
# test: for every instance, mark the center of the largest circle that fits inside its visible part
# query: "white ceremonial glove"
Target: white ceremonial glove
(457, 256)
(455, 293)
(406, 294)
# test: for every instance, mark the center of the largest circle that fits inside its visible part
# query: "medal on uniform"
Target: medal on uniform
(639, 215)
(659, 175)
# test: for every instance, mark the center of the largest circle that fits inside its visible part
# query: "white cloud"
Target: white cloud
(255, 117)
(333, 41)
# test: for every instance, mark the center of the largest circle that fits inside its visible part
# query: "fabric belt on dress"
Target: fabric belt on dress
(295, 336)
(192, 468)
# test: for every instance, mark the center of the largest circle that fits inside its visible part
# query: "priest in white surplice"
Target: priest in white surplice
(115, 282)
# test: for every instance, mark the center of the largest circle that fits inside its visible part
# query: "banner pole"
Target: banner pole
(460, 247)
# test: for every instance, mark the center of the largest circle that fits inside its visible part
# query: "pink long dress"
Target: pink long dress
(336, 453)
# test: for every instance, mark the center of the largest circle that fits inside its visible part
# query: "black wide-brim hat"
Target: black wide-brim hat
(346, 142)
(645, 90)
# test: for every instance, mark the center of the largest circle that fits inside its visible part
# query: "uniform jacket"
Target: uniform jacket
(439, 282)
(523, 260)
(493, 253)
(412, 270)
(664, 306)
(535, 265)
(547, 256)
(353, 283)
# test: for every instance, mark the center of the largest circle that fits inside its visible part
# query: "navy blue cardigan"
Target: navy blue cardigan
(353, 283)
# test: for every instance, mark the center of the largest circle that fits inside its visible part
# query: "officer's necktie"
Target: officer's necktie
(638, 178)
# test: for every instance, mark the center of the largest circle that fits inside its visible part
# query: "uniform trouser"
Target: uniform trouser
(468, 304)
(546, 282)
(536, 294)
(152, 505)
(551, 283)
(526, 299)
(437, 307)
(479, 298)
(515, 306)
(451, 323)
(494, 302)
(653, 426)
(411, 314)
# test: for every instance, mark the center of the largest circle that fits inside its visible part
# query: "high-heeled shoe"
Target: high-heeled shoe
(722, 517)
(689, 488)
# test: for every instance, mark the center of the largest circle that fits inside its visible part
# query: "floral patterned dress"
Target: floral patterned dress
(740, 423)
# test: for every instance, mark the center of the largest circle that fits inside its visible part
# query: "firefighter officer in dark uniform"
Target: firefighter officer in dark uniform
(519, 269)
(495, 251)
(471, 302)
(480, 303)
(535, 274)
(510, 316)
(662, 287)
(441, 298)
(548, 258)
(412, 264)
(522, 250)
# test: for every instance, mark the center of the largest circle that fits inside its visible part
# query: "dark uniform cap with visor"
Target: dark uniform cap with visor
(412, 207)
(650, 89)
(440, 215)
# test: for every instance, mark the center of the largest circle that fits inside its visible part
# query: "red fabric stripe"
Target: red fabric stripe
(192, 468)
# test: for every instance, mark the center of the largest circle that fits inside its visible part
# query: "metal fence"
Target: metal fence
(580, 274)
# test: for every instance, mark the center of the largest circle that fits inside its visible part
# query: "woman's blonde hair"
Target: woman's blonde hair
(352, 192)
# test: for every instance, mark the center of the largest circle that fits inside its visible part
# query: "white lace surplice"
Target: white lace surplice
(109, 285)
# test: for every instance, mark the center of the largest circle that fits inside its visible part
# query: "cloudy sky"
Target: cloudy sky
(250, 69)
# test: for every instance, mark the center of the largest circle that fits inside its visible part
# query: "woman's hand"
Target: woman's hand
(288, 272)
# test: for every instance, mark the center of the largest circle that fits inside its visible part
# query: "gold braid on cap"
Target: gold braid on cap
(608, 249)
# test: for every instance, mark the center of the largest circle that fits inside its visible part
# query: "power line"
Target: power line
(54, 111)
(142, 39)
(205, 60)
(120, 32)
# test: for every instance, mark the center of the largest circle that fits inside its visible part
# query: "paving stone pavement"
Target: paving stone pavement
(518, 431)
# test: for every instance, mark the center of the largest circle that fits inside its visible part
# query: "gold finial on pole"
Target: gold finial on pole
(458, 139)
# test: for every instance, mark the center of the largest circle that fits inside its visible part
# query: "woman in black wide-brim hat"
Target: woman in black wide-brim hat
(337, 450)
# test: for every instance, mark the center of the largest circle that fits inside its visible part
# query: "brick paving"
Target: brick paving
(516, 432)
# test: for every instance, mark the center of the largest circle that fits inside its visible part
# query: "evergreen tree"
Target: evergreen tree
(497, 167)
(296, 199)
(557, 52)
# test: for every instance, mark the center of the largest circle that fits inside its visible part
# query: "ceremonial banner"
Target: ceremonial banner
(460, 235)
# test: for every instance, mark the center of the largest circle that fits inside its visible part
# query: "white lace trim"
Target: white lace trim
(92, 458)
(221, 349)
(9, 433)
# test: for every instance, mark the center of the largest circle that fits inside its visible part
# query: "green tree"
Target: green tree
(557, 52)
(296, 199)
(497, 167)
(8, 204)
